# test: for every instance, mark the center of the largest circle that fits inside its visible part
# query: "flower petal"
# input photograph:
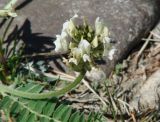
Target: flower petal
(62, 42)
(85, 46)
(70, 26)
(86, 58)
(58, 44)
(65, 26)
(95, 42)
(77, 53)
(99, 25)
(105, 32)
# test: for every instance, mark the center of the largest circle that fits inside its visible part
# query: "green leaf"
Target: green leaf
(75, 117)
(32, 118)
(47, 110)
(23, 116)
(61, 112)
(15, 108)
(66, 114)
(5, 103)
(82, 119)
(40, 105)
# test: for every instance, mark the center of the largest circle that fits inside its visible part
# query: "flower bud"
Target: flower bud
(95, 42)
(69, 26)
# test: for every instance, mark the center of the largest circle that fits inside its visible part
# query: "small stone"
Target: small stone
(147, 96)
(96, 75)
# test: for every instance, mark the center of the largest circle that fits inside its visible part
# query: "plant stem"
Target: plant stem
(50, 94)
(4, 70)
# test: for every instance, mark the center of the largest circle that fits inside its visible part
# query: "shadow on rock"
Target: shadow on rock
(34, 42)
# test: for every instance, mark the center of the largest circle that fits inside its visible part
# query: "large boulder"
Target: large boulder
(127, 20)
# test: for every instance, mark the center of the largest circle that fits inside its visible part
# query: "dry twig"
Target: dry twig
(142, 49)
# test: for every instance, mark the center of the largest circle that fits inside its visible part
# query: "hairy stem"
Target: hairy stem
(50, 94)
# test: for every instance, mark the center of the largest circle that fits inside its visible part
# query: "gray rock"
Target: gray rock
(147, 97)
(127, 20)
(156, 31)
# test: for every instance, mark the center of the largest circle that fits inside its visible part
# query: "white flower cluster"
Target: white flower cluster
(82, 51)
(82, 42)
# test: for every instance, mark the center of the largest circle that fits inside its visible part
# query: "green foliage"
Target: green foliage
(48, 110)
(9, 65)
(10, 57)
(118, 69)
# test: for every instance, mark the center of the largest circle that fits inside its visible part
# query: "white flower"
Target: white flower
(100, 28)
(69, 26)
(81, 52)
(65, 26)
(86, 58)
(68, 22)
(77, 53)
(111, 53)
(105, 32)
(85, 46)
(62, 42)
